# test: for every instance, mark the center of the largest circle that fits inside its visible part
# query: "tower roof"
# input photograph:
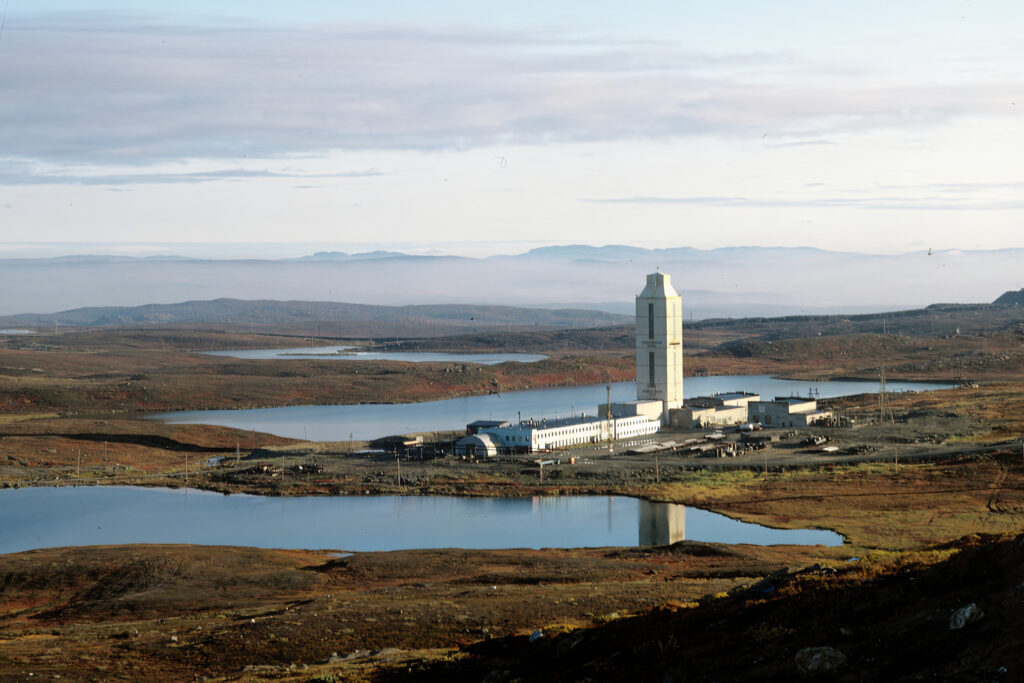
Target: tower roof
(659, 286)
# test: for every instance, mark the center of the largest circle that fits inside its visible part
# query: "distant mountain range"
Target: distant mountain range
(727, 282)
(430, 319)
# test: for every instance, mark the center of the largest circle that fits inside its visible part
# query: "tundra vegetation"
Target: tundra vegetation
(930, 501)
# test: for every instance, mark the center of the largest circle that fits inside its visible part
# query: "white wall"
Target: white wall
(659, 337)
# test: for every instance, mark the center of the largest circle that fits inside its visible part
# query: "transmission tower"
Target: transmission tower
(884, 408)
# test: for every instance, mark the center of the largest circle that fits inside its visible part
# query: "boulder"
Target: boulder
(963, 616)
(812, 661)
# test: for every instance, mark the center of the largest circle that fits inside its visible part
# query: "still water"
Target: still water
(349, 353)
(99, 515)
(373, 420)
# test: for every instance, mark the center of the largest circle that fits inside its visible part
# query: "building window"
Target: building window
(650, 368)
(650, 321)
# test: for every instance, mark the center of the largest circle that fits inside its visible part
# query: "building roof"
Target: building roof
(719, 399)
(545, 423)
(488, 423)
(659, 286)
(483, 440)
(637, 402)
(556, 423)
(398, 440)
(733, 395)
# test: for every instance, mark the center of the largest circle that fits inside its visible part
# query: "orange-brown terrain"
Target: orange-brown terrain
(931, 514)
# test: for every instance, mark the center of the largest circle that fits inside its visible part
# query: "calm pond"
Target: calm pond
(372, 420)
(349, 353)
(99, 515)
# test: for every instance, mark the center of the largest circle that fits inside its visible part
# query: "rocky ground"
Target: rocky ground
(953, 616)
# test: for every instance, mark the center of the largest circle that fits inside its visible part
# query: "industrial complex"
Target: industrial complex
(659, 396)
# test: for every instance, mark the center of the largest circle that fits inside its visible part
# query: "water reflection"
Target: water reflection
(666, 523)
(114, 515)
(661, 523)
(351, 353)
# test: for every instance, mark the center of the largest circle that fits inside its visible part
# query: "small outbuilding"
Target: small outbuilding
(398, 443)
(477, 445)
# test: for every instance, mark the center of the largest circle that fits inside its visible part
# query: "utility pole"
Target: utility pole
(186, 473)
(608, 414)
(657, 471)
(398, 460)
(883, 400)
(79, 477)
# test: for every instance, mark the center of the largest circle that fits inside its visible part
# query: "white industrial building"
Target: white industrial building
(531, 436)
(786, 411)
(477, 444)
(659, 389)
(659, 353)
(715, 410)
(659, 344)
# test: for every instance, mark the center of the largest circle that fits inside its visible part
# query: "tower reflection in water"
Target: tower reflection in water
(661, 523)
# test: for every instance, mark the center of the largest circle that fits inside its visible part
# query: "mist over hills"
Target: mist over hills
(337, 318)
(727, 282)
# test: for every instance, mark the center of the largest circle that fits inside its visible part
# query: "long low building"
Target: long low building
(530, 436)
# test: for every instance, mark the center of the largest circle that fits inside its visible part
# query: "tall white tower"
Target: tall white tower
(659, 344)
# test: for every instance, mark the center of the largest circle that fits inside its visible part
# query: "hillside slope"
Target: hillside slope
(268, 313)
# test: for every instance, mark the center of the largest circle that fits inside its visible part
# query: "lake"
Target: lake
(348, 353)
(10, 331)
(48, 517)
(373, 420)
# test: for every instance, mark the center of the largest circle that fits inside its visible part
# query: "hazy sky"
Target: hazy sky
(471, 127)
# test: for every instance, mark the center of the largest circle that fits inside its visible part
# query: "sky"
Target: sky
(475, 128)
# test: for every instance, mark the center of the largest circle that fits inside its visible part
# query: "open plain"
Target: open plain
(930, 502)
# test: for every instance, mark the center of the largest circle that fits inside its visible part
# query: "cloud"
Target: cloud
(94, 88)
(891, 203)
(22, 174)
(803, 143)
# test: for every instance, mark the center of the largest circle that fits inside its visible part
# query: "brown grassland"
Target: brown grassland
(934, 533)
